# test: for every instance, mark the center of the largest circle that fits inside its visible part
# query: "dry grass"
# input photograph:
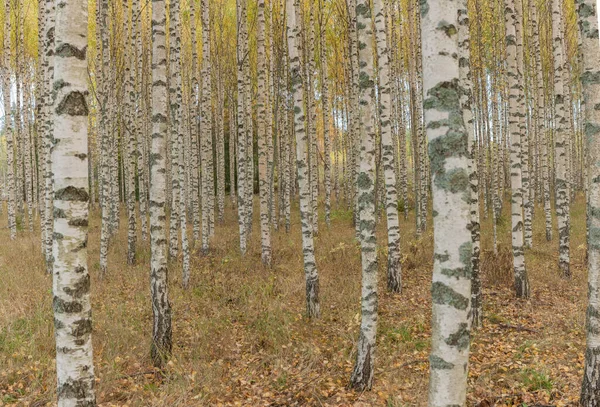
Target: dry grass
(497, 268)
(240, 337)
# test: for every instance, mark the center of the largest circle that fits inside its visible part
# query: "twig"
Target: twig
(411, 362)
(519, 328)
(127, 376)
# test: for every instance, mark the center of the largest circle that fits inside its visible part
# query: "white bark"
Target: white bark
(161, 308)
(310, 265)
(449, 157)
(71, 280)
(590, 82)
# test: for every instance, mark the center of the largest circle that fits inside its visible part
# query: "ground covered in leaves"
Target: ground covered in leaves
(241, 339)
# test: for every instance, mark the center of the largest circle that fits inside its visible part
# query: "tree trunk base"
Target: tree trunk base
(362, 375)
(590, 388)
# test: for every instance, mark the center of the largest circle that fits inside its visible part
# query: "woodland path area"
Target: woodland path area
(240, 337)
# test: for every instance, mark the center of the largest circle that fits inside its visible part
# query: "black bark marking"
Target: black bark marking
(82, 327)
(82, 222)
(76, 389)
(73, 104)
(67, 50)
(71, 193)
(69, 307)
(80, 288)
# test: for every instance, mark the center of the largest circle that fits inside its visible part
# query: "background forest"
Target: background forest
(335, 202)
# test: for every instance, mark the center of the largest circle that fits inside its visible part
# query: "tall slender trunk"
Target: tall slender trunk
(272, 143)
(105, 202)
(71, 280)
(142, 120)
(362, 375)
(423, 164)
(294, 40)
(49, 11)
(525, 173)
(520, 272)
(313, 150)
(132, 131)
(8, 126)
(175, 100)
(17, 121)
(394, 280)
(354, 119)
(326, 114)
(232, 146)
(465, 96)
(206, 132)
(263, 181)
(185, 249)
(560, 143)
(453, 247)
(590, 84)
(27, 161)
(194, 181)
(541, 128)
(249, 128)
(241, 7)
(220, 147)
(159, 288)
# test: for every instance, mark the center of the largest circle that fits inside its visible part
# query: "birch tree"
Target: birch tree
(242, 42)
(394, 282)
(159, 289)
(520, 272)
(560, 142)
(465, 97)
(362, 375)
(263, 181)
(71, 280)
(294, 36)
(449, 157)
(590, 83)
(12, 222)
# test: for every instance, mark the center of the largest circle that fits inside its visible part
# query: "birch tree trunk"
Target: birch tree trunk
(263, 181)
(590, 83)
(185, 249)
(17, 121)
(194, 181)
(313, 151)
(525, 174)
(159, 289)
(132, 130)
(220, 147)
(27, 151)
(560, 143)
(326, 116)
(71, 280)
(394, 281)
(6, 90)
(175, 100)
(241, 9)
(362, 376)
(453, 247)
(232, 147)
(521, 280)
(49, 11)
(466, 89)
(294, 37)
(105, 202)
(206, 132)
(541, 97)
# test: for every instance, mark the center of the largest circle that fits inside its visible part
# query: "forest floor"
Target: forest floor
(240, 337)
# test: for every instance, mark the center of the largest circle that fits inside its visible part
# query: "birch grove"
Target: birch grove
(322, 140)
